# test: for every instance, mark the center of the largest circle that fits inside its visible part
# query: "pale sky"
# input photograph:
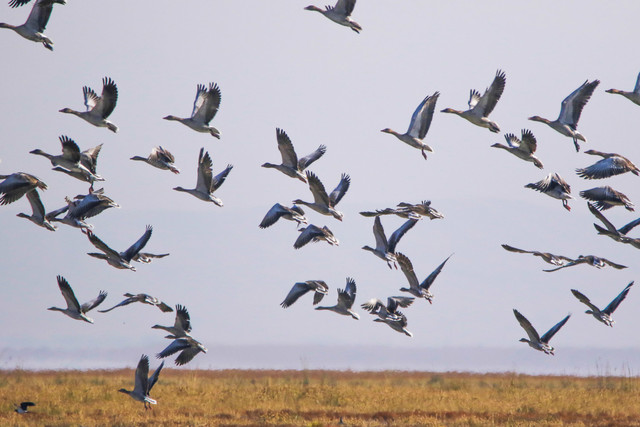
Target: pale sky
(280, 66)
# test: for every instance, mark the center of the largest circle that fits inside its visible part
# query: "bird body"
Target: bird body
(619, 235)
(592, 260)
(181, 326)
(81, 208)
(324, 203)
(70, 159)
(522, 148)
(340, 13)
(207, 183)
(23, 408)
(98, 107)
(205, 107)
(188, 348)
(554, 186)
(603, 316)
(346, 298)
(535, 341)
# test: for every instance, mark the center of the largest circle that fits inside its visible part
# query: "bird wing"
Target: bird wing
(512, 249)
(512, 140)
(67, 293)
(347, 297)
(397, 235)
(585, 300)
(70, 149)
(306, 161)
(186, 355)
(604, 196)
(273, 215)
(137, 246)
(378, 233)
(205, 174)
(372, 305)
(210, 105)
(320, 289)
(407, 269)
(613, 264)
(488, 101)
(599, 215)
(39, 15)
(90, 305)
(296, 292)
(107, 101)
(426, 283)
(474, 97)
(569, 264)
(603, 168)
(317, 189)
(543, 186)
(176, 346)
(609, 309)
(90, 97)
(183, 320)
(99, 244)
(573, 104)
(18, 3)
(422, 116)
(636, 88)
(164, 307)
(623, 230)
(551, 332)
(121, 304)
(37, 208)
(528, 143)
(289, 156)
(400, 301)
(198, 102)
(345, 7)
(340, 190)
(142, 373)
(153, 379)
(526, 325)
(219, 179)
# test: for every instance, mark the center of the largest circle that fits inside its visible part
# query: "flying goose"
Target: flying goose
(143, 385)
(207, 183)
(119, 259)
(603, 316)
(88, 159)
(420, 290)
(554, 186)
(631, 96)
(37, 216)
(188, 348)
(291, 165)
(419, 125)
(399, 324)
(481, 106)
(69, 159)
(143, 298)
(81, 208)
(390, 310)
(523, 149)
(619, 235)
(535, 341)
(611, 164)
(346, 298)
(18, 3)
(319, 288)
(340, 13)
(17, 185)
(23, 408)
(205, 107)
(591, 260)
(181, 326)
(572, 105)
(146, 257)
(547, 257)
(606, 198)
(159, 158)
(315, 234)
(408, 211)
(277, 211)
(98, 107)
(33, 28)
(386, 249)
(74, 309)
(323, 203)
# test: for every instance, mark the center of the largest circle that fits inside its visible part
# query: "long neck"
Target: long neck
(142, 159)
(3, 25)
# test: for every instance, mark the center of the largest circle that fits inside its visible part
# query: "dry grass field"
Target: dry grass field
(319, 398)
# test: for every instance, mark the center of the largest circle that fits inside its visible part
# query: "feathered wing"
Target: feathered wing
(422, 116)
(219, 179)
(39, 15)
(526, 325)
(347, 297)
(320, 289)
(198, 102)
(37, 208)
(70, 149)
(426, 283)
(488, 101)
(407, 269)
(121, 304)
(137, 246)
(609, 309)
(176, 346)
(296, 292)
(306, 161)
(210, 104)
(551, 332)
(287, 152)
(107, 102)
(378, 233)
(528, 144)
(397, 235)
(317, 189)
(205, 174)
(153, 379)
(613, 264)
(573, 104)
(273, 215)
(602, 218)
(512, 249)
(340, 190)
(345, 7)
(187, 355)
(67, 293)
(585, 300)
(90, 305)
(307, 234)
(142, 373)
(603, 169)
(183, 320)
(627, 228)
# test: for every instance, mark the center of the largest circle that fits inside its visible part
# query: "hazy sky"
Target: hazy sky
(281, 66)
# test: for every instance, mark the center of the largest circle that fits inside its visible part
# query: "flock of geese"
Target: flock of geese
(82, 165)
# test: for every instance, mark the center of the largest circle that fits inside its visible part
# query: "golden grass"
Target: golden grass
(319, 398)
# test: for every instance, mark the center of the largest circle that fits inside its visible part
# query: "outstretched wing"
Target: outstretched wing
(551, 332)
(296, 292)
(67, 293)
(306, 161)
(422, 116)
(488, 101)
(107, 102)
(153, 379)
(397, 235)
(573, 104)
(99, 244)
(211, 104)
(585, 300)
(287, 152)
(526, 325)
(121, 304)
(137, 246)
(426, 283)
(219, 179)
(617, 300)
(340, 190)
(90, 305)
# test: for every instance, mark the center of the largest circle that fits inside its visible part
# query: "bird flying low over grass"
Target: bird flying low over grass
(603, 316)
(188, 348)
(535, 341)
(23, 408)
(389, 313)
(181, 326)
(143, 385)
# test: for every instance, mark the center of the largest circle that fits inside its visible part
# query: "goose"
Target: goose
(18, 3)
(37, 216)
(291, 165)
(346, 298)
(592, 260)
(631, 96)
(314, 233)
(390, 310)
(98, 107)
(33, 28)
(619, 235)
(17, 185)
(385, 249)
(188, 348)
(207, 183)
(547, 257)
(23, 408)
(319, 288)
(420, 290)
(535, 341)
(88, 159)
(408, 211)
(603, 316)
(277, 211)
(74, 309)
(119, 259)
(419, 125)
(146, 257)
(69, 159)
(606, 198)
(81, 208)
(522, 148)
(340, 13)
(181, 326)
(323, 203)
(611, 164)
(554, 186)
(481, 106)
(143, 385)
(572, 105)
(143, 298)
(399, 324)
(159, 158)
(205, 107)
